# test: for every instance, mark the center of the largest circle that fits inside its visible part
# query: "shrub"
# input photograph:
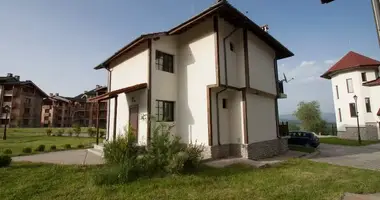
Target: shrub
(53, 147)
(40, 148)
(49, 131)
(7, 151)
(102, 133)
(70, 132)
(80, 146)
(67, 146)
(27, 150)
(76, 129)
(5, 160)
(124, 147)
(60, 132)
(91, 132)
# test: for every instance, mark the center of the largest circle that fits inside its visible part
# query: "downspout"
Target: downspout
(108, 103)
(226, 82)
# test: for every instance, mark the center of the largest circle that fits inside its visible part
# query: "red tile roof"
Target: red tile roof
(351, 60)
(372, 83)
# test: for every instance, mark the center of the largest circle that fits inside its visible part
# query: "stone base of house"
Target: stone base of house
(369, 132)
(254, 151)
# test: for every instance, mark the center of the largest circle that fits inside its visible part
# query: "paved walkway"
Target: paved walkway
(71, 157)
(365, 157)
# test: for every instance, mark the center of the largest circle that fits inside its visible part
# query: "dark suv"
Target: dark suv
(303, 138)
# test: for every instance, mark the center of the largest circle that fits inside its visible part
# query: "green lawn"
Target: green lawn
(16, 141)
(294, 180)
(41, 130)
(339, 141)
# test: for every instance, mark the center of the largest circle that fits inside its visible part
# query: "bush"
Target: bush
(60, 132)
(91, 132)
(49, 131)
(27, 150)
(70, 132)
(80, 146)
(76, 129)
(164, 155)
(67, 146)
(124, 147)
(40, 148)
(102, 134)
(5, 160)
(53, 147)
(7, 151)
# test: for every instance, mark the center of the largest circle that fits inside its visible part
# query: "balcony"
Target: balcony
(46, 114)
(281, 93)
(7, 104)
(8, 92)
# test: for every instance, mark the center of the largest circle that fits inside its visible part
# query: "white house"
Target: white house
(356, 75)
(214, 76)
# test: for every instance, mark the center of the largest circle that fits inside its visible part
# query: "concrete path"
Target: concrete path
(71, 157)
(255, 163)
(350, 196)
(365, 157)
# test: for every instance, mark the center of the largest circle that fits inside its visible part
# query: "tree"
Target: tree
(293, 127)
(309, 114)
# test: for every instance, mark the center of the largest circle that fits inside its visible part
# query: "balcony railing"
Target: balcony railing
(281, 92)
(8, 92)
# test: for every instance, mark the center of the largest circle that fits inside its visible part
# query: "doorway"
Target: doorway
(134, 119)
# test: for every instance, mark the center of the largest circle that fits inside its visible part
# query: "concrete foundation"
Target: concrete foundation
(369, 132)
(254, 151)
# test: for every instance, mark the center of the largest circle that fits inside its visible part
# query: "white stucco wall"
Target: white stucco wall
(196, 70)
(261, 65)
(345, 98)
(128, 70)
(261, 118)
(235, 59)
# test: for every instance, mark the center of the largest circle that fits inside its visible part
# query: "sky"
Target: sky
(56, 44)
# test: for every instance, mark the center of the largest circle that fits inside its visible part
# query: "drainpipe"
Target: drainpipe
(109, 103)
(226, 81)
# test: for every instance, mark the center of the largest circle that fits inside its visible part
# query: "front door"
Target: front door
(134, 118)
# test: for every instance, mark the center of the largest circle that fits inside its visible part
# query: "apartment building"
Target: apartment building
(61, 111)
(24, 98)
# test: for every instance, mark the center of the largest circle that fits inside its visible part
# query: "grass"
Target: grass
(43, 130)
(339, 141)
(301, 148)
(16, 141)
(293, 180)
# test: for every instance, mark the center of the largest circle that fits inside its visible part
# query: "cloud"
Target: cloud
(329, 62)
(306, 71)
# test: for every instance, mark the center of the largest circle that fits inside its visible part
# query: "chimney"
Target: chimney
(265, 28)
(51, 94)
(9, 75)
(56, 94)
(98, 86)
(17, 77)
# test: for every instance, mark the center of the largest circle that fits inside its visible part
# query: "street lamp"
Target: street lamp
(357, 118)
(6, 110)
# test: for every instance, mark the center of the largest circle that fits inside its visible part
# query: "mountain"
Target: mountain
(329, 117)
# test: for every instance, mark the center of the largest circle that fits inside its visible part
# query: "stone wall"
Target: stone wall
(366, 133)
(258, 150)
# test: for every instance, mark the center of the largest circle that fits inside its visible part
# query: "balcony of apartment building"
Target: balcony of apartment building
(8, 93)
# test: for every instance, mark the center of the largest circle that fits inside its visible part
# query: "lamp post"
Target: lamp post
(357, 118)
(6, 110)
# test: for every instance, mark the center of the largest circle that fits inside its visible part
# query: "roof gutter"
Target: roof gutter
(226, 82)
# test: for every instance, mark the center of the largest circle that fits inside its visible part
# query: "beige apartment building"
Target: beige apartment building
(24, 98)
(60, 111)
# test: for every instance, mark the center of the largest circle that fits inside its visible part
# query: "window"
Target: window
(364, 76)
(46, 110)
(350, 87)
(164, 62)
(27, 110)
(165, 111)
(26, 122)
(337, 92)
(27, 101)
(340, 115)
(231, 47)
(368, 105)
(46, 118)
(377, 74)
(352, 110)
(224, 102)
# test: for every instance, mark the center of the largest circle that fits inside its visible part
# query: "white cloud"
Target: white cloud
(305, 72)
(329, 62)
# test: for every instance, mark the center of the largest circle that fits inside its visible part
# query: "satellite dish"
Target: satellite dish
(286, 79)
